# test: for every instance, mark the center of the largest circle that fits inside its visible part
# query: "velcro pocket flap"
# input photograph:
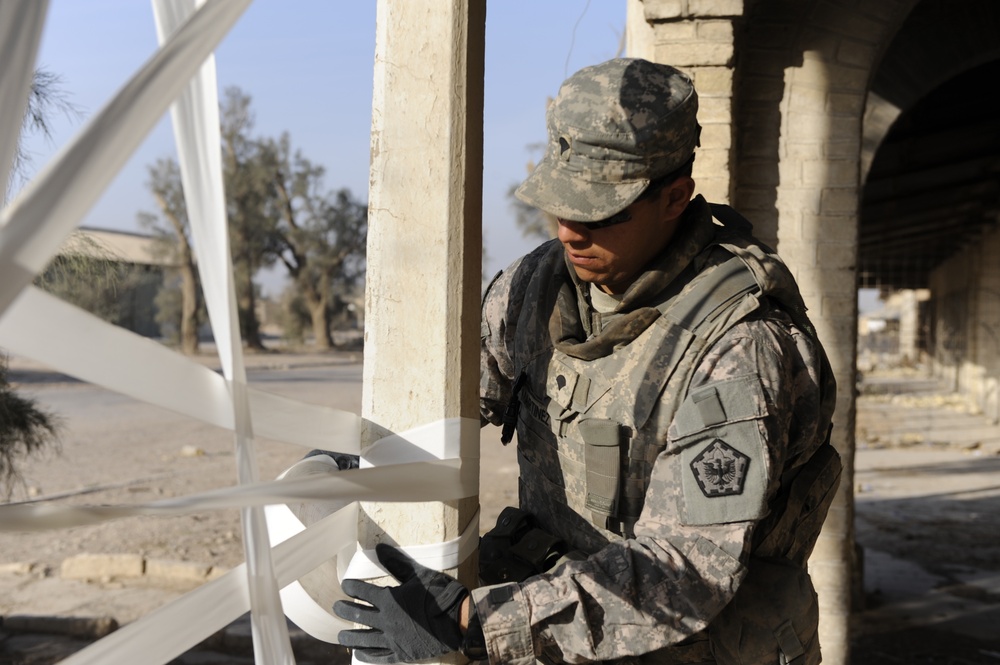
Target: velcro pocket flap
(603, 463)
(728, 401)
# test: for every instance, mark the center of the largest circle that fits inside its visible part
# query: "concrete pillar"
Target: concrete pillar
(817, 203)
(909, 326)
(421, 361)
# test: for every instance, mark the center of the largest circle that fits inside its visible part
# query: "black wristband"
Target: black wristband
(474, 643)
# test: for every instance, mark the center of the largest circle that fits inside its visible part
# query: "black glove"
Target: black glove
(343, 460)
(416, 620)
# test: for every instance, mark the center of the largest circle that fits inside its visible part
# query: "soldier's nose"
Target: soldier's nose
(570, 231)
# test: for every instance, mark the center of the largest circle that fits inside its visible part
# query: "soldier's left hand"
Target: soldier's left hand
(417, 620)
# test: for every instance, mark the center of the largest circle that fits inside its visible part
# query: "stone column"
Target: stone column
(817, 204)
(421, 361)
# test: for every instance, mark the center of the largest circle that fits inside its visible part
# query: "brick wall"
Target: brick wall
(696, 36)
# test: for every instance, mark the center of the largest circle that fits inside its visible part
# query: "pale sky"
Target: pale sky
(308, 66)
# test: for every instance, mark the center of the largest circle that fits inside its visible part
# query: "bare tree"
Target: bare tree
(277, 209)
(252, 215)
(165, 185)
(321, 235)
(534, 223)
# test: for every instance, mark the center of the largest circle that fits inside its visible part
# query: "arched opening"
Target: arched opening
(932, 189)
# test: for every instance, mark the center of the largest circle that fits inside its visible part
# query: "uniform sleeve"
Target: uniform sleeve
(746, 414)
(502, 305)
(496, 363)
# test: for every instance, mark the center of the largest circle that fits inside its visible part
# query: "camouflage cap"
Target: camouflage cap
(613, 128)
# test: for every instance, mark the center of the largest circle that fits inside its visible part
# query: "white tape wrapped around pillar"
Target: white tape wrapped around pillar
(308, 602)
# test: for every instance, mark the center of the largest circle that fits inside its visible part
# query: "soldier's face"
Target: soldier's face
(613, 256)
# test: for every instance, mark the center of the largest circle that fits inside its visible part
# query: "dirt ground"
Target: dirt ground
(927, 503)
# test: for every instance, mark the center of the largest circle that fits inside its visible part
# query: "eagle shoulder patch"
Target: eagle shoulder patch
(720, 470)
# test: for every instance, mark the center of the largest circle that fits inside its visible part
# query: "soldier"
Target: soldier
(672, 406)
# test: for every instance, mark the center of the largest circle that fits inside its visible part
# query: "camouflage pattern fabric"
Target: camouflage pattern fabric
(613, 128)
(709, 425)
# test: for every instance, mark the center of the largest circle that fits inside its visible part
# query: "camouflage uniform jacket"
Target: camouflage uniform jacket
(650, 439)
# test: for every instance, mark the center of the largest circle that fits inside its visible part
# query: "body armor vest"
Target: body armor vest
(593, 418)
(590, 430)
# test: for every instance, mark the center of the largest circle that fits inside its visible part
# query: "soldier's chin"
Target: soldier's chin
(591, 276)
(602, 280)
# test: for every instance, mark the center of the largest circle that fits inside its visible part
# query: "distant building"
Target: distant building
(120, 280)
(110, 244)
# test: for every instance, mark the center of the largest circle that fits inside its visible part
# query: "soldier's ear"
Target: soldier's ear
(676, 196)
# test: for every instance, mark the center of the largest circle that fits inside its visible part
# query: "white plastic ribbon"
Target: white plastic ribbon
(171, 630)
(433, 453)
(197, 132)
(441, 455)
(305, 610)
(439, 481)
(21, 23)
(44, 213)
(440, 556)
(97, 352)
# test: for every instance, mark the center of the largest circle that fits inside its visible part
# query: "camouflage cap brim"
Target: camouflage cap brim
(567, 195)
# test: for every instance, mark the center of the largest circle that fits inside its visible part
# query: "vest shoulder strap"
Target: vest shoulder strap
(732, 219)
(712, 295)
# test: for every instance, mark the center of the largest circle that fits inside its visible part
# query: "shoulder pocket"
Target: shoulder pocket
(722, 454)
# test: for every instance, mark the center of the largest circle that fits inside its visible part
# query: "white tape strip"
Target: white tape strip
(34, 226)
(420, 481)
(445, 439)
(315, 616)
(108, 356)
(450, 438)
(171, 630)
(438, 481)
(21, 23)
(195, 116)
(440, 556)
(433, 480)
(310, 425)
